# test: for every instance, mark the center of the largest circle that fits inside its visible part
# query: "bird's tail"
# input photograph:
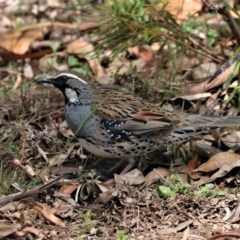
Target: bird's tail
(194, 120)
(195, 125)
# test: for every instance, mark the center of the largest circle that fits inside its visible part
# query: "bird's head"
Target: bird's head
(71, 84)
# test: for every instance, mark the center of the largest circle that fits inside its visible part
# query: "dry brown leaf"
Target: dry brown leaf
(229, 89)
(33, 230)
(231, 139)
(217, 161)
(225, 169)
(12, 215)
(142, 52)
(107, 196)
(155, 175)
(217, 79)
(58, 159)
(45, 211)
(68, 188)
(186, 234)
(18, 42)
(102, 187)
(67, 133)
(192, 164)
(18, 82)
(12, 206)
(86, 191)
(8, 228)
(43, 173)
(194, 96)
(183, 8)
(147, 59)
(134, 177)
(85, 50)
(213, 100)
(65, 208)
(235, 234)
(42, 153)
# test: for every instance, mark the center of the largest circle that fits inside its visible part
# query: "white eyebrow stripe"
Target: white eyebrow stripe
(70, 75)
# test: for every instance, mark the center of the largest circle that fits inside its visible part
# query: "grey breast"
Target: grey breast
(76, 116)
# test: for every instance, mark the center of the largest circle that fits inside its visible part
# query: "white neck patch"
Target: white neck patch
(71, 95)
(71, 75)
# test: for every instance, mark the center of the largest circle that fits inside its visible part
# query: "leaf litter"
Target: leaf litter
(37, 146)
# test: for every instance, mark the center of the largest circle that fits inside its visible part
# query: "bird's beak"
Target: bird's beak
(46, 80)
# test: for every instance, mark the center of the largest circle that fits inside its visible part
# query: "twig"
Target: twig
(27, 193)
(223, 10)
(164, 179)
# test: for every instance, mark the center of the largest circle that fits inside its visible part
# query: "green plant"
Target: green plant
(88, 223)
(166, 192)
(12, 149)
(128, 23)
(208, 191)
(235, 62)
(76, 3)
(23, 8)
(52, 58)
(122, 235)
(174, 150)
(25, 86)
(55, 46)
(205, 189)
(78, 66)
(18, 24)
(176, 185)
(10, 176)
(194, 27)
(36, 181)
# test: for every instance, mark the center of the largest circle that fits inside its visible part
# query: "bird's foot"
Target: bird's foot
(120, 167)
(106, 172)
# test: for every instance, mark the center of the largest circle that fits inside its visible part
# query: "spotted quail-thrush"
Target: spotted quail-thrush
(111, 123)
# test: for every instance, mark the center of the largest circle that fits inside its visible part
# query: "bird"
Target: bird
(115, 124)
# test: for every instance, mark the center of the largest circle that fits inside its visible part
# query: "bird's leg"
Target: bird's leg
(118, 167)
(131, 163)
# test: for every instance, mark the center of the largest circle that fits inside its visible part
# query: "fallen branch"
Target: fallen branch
(27, 193)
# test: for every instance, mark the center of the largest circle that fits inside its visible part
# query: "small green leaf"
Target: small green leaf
(55, 46)
(72, 61)
(204, 189)
(166, 192)
(209, 186)
(218, 193)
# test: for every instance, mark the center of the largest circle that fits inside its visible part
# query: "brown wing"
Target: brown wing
(134, 114)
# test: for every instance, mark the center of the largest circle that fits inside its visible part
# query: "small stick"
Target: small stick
(27, 193)
(223, 10)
